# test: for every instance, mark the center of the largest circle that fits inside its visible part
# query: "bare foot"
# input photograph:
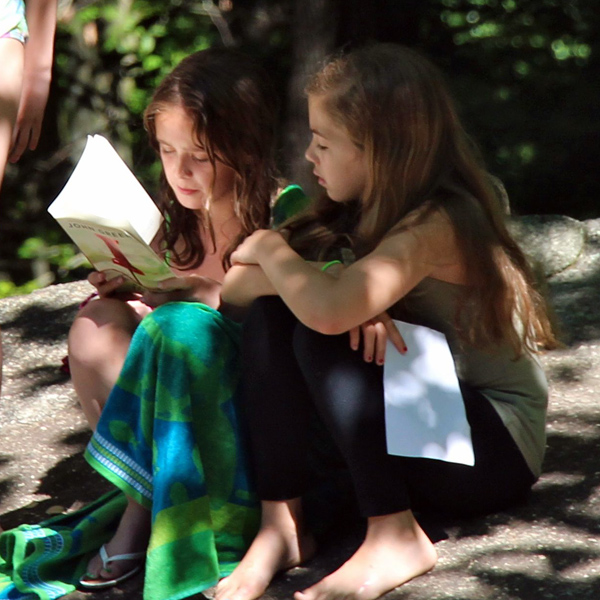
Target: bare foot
(280, 544)
(395, 551)
(132, 536)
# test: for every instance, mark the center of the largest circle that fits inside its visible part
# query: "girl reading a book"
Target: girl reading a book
(214, 192)
(169, 435)
(405, 191)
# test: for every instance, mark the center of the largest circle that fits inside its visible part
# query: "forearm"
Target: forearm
(39, 50)
(329, 304)
(318, 299)
(243, 284)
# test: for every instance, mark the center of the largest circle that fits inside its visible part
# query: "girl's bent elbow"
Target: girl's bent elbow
(325, 326)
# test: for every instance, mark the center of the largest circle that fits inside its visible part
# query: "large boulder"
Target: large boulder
(552, 242)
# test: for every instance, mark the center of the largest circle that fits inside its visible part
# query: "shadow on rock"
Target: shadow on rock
(69, 485)
(39, 323)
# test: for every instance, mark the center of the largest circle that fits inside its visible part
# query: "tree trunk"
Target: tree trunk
(314, 35)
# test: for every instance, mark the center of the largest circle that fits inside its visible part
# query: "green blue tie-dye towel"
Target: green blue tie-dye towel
(45, 561)
(170, 438)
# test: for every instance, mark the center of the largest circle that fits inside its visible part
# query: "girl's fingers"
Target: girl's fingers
(19, 146)
(354, 338)
(369, 339)
(110, 287)
(380, 342)
(96, 278)
(106, 288)
(375, 335)
(392, 333)
(177, 283)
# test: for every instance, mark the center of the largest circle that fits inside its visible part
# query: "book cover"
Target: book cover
(110, 217)
(424, 411)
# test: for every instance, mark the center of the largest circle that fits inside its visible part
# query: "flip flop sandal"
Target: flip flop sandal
(99, 582)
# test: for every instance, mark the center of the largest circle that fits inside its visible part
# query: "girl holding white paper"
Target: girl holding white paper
(405, 190)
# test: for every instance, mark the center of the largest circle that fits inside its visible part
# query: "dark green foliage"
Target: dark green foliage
(525, 74)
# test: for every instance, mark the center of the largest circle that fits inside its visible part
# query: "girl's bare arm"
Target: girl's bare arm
(363, 290)
(39, 51)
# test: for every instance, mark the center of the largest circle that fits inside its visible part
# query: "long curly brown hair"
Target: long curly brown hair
(234, 110)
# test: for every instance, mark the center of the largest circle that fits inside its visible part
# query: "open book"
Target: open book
(110, 217)
(424, 411)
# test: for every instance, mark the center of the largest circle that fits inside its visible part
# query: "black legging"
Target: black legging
(290, 370)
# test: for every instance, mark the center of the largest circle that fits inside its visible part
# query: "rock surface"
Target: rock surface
(548, 549)
(554, 242)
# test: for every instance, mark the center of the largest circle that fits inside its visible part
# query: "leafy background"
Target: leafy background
(525, 74)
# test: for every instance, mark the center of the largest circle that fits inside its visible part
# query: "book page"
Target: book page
(424, 410)
(116, 252)
(103, 190)
(110, 217)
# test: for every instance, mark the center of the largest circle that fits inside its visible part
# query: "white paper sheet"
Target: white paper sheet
(424, 411)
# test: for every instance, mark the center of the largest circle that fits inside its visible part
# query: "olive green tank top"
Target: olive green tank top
(517, 388)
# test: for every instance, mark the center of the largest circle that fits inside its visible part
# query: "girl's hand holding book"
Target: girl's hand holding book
(111, 288)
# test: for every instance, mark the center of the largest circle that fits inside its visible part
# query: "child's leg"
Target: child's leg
(98, 342)
(11, 60)
(278, 412)
(11, 65)
(349, 397)
(132, 536)
(348, 394)
(277, 402)
(281, 543)
(395, 551)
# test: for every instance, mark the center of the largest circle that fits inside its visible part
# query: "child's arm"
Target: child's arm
(366, 288)
(243, 284)
(39, 51)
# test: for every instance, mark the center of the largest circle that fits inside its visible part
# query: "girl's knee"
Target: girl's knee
(99, 326)
(107, 311)
(188, 323)
(269, 317)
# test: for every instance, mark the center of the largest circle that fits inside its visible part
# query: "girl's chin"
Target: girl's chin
(191, 202)
(338, 200)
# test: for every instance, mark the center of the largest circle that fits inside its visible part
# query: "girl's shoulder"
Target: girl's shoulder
(430, 224)
(429, 236)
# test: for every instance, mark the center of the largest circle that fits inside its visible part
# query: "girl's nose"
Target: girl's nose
(310, 154)
(183, 167)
